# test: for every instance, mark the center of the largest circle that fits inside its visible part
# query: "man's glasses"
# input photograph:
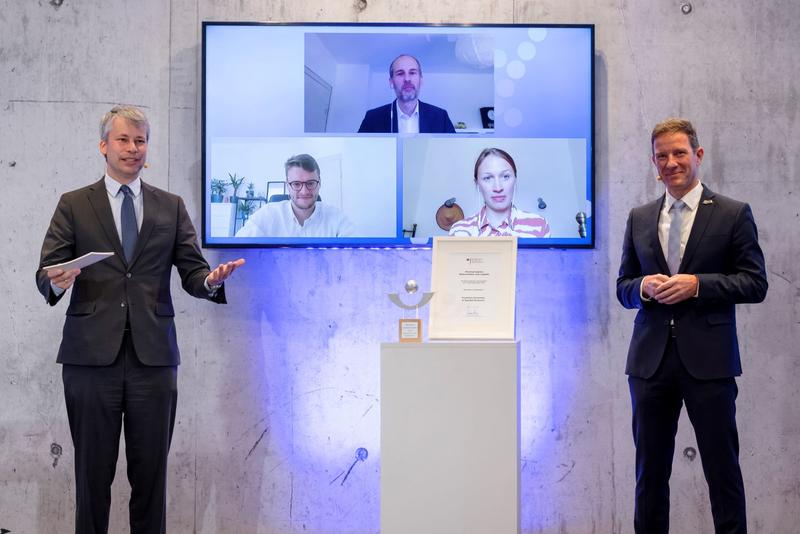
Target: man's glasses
(311, 185)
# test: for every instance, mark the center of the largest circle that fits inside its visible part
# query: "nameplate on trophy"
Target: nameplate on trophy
(410, 330)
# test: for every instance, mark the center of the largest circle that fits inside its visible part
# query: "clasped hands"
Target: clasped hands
(670, 289)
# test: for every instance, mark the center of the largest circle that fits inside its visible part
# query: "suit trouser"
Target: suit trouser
(711, 407)
(101, 400)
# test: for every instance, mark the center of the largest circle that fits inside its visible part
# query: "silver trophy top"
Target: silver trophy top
(411, 287)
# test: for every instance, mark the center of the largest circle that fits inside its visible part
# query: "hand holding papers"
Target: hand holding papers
(79, 263)
(62, 275)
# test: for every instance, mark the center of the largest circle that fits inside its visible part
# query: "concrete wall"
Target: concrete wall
(279, 388)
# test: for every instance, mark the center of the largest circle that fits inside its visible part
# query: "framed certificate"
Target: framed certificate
(474, 282)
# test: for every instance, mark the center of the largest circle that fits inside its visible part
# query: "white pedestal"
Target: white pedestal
(450, 438)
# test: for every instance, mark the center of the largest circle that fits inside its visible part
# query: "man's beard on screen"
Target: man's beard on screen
(407, 94)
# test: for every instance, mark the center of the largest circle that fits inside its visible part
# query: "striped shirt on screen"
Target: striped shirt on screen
(519, 223)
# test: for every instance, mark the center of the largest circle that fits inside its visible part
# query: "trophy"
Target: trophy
(410, 330)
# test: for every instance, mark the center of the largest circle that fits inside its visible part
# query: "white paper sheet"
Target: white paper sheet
(80, 263)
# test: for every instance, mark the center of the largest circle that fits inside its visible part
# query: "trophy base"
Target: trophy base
(410, 330)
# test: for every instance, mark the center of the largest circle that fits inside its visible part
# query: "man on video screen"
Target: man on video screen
(407, 114)
(303, 214)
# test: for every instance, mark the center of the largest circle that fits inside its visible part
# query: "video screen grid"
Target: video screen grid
(273, 93)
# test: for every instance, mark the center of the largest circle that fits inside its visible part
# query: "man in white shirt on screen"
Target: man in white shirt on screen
(303, 215)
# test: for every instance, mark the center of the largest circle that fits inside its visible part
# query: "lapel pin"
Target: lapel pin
(708, 201)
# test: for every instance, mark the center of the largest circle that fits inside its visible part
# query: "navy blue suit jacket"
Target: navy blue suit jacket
(723, 252)
(384, 120)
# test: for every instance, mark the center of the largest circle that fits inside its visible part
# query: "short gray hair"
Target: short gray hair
(129, 113)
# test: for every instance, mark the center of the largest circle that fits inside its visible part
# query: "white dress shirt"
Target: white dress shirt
(277, 219)
(408, 123)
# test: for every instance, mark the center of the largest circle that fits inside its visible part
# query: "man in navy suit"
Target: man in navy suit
(119, 352)
(407, 114)
(688, 258)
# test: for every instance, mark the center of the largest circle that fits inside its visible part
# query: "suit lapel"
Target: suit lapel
(654, 212)
(98, 198)
(150, 207)
(704, 212)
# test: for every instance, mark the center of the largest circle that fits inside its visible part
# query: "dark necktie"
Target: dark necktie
(130, 231)
(674, 241)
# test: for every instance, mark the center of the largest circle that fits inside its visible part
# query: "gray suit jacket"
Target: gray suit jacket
(110, 294)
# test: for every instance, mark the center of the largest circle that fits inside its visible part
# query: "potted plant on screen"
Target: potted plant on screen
(235, 182)
(246, 208)
(218, 188)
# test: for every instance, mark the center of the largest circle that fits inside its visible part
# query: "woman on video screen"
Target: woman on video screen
(496, 178)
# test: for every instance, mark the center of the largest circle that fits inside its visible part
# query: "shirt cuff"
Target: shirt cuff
(642, 296)
(212, 290)
(56, 290)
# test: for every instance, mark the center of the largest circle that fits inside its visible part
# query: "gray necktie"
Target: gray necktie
(674, 240)
(130, 231)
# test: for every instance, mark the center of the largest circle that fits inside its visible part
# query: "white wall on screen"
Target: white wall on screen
(319, 59)
(253, 76)
(347, 101)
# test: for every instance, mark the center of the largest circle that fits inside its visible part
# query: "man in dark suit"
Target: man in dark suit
(687, 259)
(407, 114)
(119, 349)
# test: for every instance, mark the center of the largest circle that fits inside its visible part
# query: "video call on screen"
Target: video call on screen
(272, 92)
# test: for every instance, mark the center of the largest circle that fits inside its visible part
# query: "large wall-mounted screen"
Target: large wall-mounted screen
(389, 134)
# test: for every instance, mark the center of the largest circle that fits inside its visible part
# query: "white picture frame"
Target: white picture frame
(474, 282)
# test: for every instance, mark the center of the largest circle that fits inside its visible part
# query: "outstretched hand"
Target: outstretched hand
(223, 271)
(61, 278)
